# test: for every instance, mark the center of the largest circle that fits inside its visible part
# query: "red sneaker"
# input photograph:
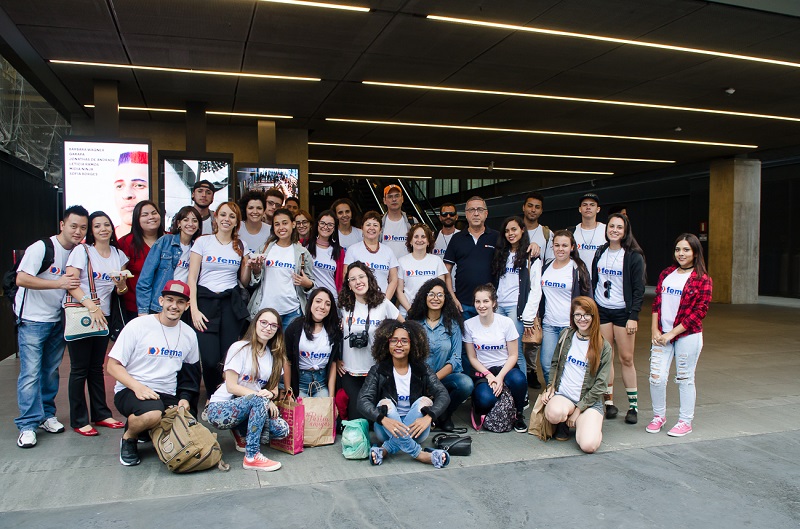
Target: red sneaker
(241, 442)
(260, 462)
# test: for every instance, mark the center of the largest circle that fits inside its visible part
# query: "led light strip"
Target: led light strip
(588, 36)
(320, 4)
(482, 168)
(373, 175)
(544, 132)
(211, 112)
(499, 153)
(583, 100)
(186, 70)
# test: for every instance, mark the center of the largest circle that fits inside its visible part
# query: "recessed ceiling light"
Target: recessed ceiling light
(316, 182)
(211, 112)
(320, 4)
(545, 132)
(187, 70)
(361, 175)
(479, 167)
(646, 44)
(499, 153)
(586, 100)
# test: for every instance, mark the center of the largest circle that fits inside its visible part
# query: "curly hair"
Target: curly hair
(428, 235)
(347, 298)
(419, 350)
(504, 248)
(450, 314)
(252, 195)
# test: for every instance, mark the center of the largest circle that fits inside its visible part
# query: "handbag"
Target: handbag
(320, 420)
(539, 425)
(536, 336)
(293, 412)
(185, 445)
(454, 444)
(77, 319)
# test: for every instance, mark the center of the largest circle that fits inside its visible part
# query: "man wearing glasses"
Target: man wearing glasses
(274, 198)
(395, 222)
(448, 216)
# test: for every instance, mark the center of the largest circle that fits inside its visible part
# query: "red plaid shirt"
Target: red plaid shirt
(694, 302)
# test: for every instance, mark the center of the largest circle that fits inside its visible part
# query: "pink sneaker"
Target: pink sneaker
(241, 442)
(260, 462)
(656, 424)
(680, 429)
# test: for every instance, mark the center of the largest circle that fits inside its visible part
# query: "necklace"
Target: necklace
(616, 255)
(323, 244)
(163, 332)
(370, 250)
(583, 236)
(583, 337)
(433, 323)
(446, 240)
(687, 268)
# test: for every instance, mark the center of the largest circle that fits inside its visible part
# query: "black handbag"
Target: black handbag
(455, 445)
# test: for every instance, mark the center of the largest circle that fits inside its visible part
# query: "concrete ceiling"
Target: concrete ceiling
(396, 43)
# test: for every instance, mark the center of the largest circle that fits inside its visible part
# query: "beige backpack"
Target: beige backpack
(185, 445)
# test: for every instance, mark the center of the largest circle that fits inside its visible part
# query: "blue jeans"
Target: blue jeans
(307, 377)
(483, 398)
(287, 318)
(459, 386)
(41, 349)
(550, 335)
(468, 312)
(247, 415)
(686, 352)
(406, 443)
(511, 312)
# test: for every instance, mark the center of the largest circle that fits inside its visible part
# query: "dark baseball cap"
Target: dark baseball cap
(205, 183)
(590, 196)
(176, 288)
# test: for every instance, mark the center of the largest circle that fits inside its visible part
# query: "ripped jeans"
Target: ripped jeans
(686, 351)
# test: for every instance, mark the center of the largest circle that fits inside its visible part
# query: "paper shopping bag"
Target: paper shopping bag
(293, 412)
(320, 426)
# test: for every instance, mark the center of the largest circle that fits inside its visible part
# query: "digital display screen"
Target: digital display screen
(251, 177)
(180, 173)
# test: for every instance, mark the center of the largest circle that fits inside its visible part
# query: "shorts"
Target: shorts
(619, 317)
(128, 404)
(598, 406)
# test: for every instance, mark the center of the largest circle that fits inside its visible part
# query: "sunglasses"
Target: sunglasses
(448, 214)
(607, 286)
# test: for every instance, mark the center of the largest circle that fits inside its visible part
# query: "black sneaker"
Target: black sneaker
(611, 411)
(519, 424)
(632, 417)
(533, 380)
(445, 424)
(129, 452)
(562, 432)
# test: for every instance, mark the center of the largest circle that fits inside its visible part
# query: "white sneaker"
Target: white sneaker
(52, 425)
(26, 439)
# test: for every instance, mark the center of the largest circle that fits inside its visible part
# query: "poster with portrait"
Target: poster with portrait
(179, 173)
(109, 176)
(254, 177)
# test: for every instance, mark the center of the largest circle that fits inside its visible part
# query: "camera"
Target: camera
(358, 340)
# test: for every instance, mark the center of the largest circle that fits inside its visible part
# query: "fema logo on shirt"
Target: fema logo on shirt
(404, 398)
(277, 264)
(438, 251)
(183, 264)
(222, 260)
(377, 266)
(420, 273)
(103, 276)
(164, 352)
(584, 246)
(362, 321)
(394, 238)
(553, 284)
(311, 355)
(671, 291)
(607, 272)
(482, 347)
(248, 378)
(56, 271)
(512, 270)
(324, 266)
(572, 360)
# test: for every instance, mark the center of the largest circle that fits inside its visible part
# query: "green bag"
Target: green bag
(355, 439)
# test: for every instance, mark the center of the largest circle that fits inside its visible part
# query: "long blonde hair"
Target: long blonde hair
(276, 344)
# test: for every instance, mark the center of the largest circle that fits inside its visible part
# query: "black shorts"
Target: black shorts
(128, 404)
(619, 317)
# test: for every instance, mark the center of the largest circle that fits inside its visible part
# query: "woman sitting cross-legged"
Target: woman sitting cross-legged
(581, 368)
(401, 395)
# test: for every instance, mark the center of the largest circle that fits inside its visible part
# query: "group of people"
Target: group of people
(398, 326)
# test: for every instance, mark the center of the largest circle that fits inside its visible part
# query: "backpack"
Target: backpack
(10, 287)
(185, 445)
(501, 418)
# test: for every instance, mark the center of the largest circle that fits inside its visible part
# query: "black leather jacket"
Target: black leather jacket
(380, 385)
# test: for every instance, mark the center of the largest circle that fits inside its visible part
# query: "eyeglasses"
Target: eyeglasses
(448, 214)
(267, 325)
(274, 203)
(582, 317)
(301, 222)
(436, 295)
(472, 211)
(607, 286)
(357, 278)
(328, 225)
(401, 341)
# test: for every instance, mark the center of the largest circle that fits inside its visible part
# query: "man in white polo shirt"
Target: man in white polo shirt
(156, 362)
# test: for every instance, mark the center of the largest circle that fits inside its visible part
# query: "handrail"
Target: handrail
(423, 214)
(380, 204)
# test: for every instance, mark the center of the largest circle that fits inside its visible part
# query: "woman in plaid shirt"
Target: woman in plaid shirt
(682, 297)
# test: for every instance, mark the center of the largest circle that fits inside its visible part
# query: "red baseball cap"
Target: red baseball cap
(176, 288)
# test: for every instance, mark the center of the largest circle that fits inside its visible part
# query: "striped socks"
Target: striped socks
(633, 398)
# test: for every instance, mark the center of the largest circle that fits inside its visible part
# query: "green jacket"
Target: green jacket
(594, 385)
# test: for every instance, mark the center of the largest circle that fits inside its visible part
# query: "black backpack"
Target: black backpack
(10, 287)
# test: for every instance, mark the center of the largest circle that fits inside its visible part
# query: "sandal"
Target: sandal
(439, 458)
(376, 455)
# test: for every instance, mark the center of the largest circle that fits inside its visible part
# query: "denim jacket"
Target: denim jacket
(445, 347)
(159, 267)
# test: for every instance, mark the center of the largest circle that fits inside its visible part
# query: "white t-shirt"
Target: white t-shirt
(358, 361)
(219, 269)
(208, 225)
(346, 241)
(491, 343)
(609, 268)
(278, 288)
(42, 305)
(588, 242)
(254, 243)
(325, 269)
(508, 286)
(574, 372)
(314, 354)
(380, 262)
(415, 272)
(102, 268)
(182, 270)
(557, 289)
(394, 234)
(153, 353)
(403, 385)
(537, 236)
(671, 291)
(440, 247)
(240, 360)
